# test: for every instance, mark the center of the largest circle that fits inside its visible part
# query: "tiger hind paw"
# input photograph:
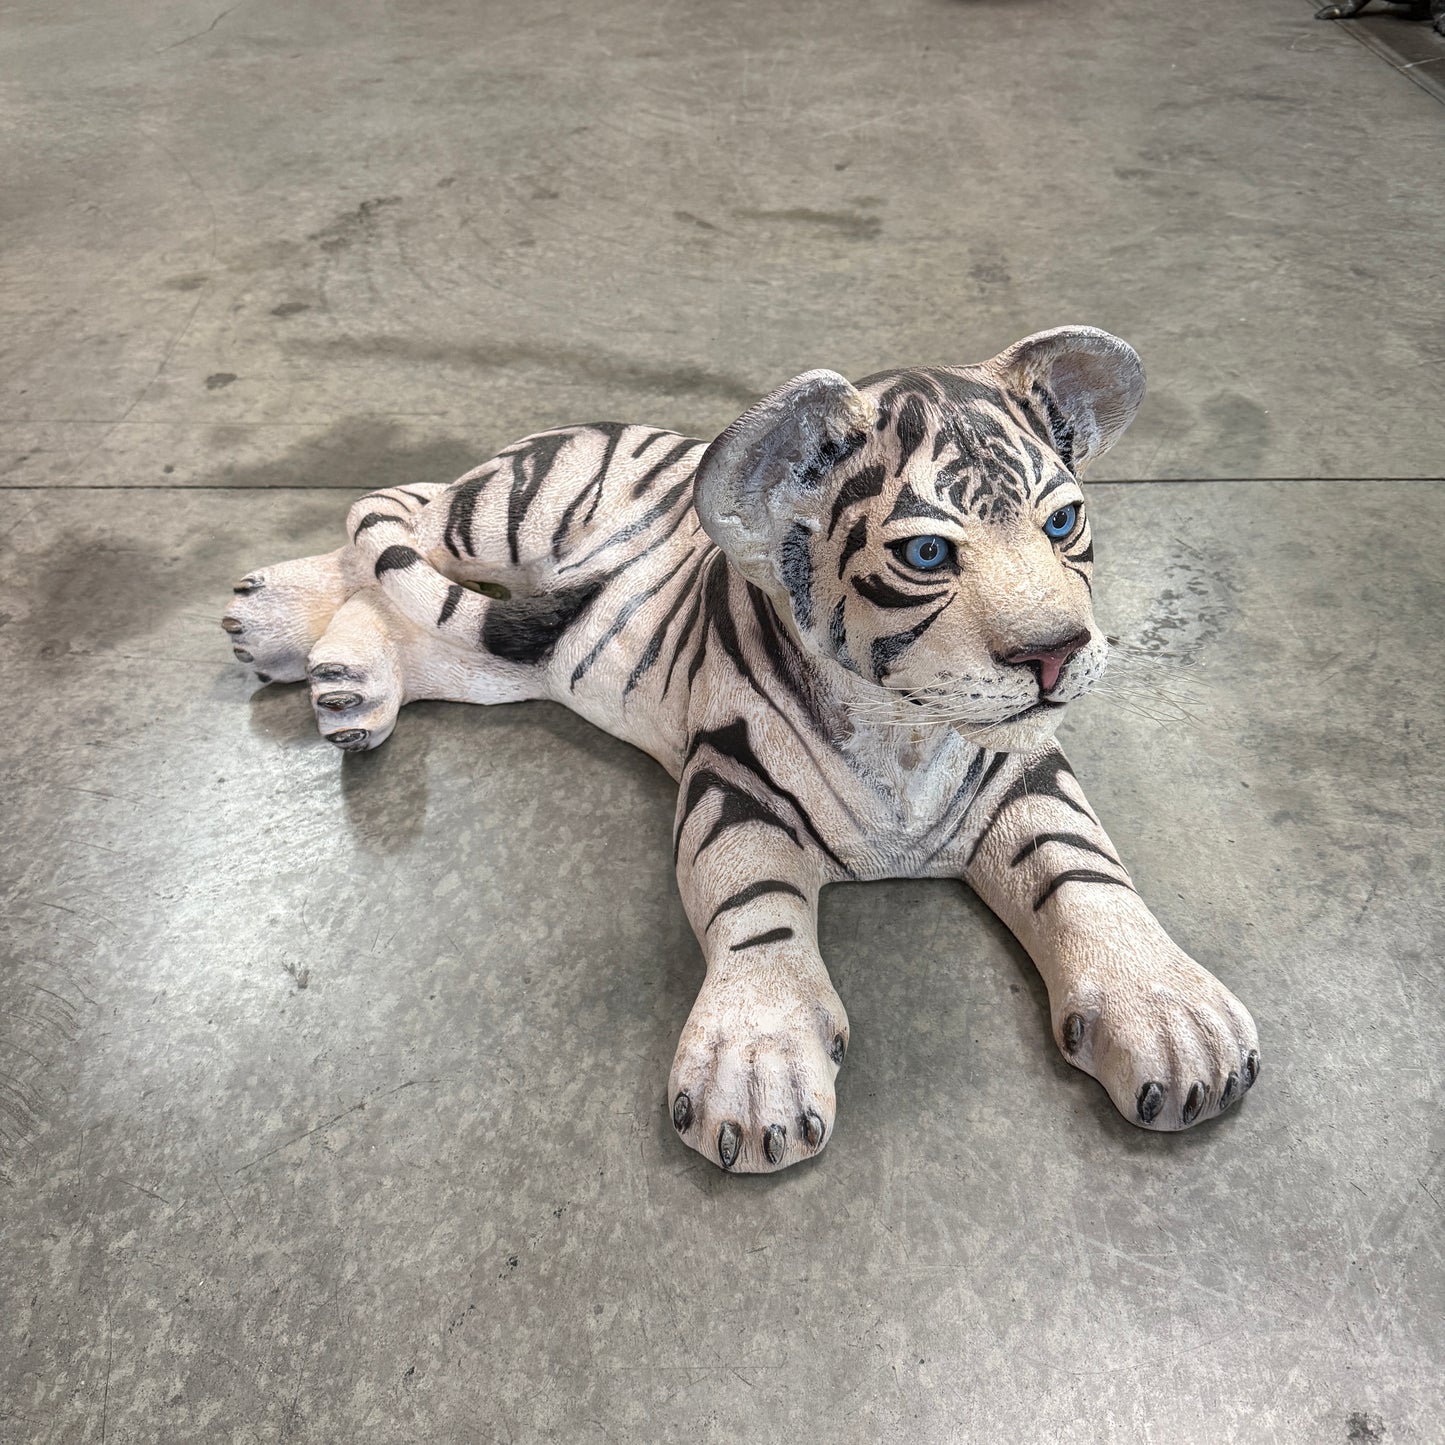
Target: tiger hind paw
(279, 613)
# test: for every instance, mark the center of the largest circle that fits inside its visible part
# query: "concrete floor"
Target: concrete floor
(331, 1088)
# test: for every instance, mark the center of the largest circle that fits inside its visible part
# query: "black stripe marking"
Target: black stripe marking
(648, 441)
(1071, 840)
(676, 454)
(1037, 779)
(641, 524)
(908, 381)
(526, 630)
(999, 759)
(397, 558)
(738, 807)
(858, 488)
(828, 456)
(882, 594)
(971, 783)
(910, 504)
(912, 429)
(653, 650)
(910, 574)
(717, 617)
(1057, 482)
(795, 566)
(967, 391)
(1061, 429)
(754, 891)
(886, 650)
(773, 935)
(542, 453)
(855, 540)
(462, 514)
(967, 790)
(1076, 875)
(693, 614)
(416, 497)
(838, 630)
(785, 658)
(613, 432)
(624, 616)
(1035, 456)
(454, 595)
(371, 519)
(732, 742)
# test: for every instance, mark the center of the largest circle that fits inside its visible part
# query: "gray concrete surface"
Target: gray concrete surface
(331, 1088)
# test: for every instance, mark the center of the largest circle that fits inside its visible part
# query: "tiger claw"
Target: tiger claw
(338, 701)
(775, 1139)
(729, 1141)
(1073, 1033)
(1150, 1102)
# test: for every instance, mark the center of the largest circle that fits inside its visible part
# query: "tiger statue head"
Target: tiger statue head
(924, 530)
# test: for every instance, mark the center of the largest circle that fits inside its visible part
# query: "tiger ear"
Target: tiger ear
(1087, 383)
(756, 477)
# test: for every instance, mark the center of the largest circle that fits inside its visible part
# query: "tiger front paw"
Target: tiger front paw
(752, 1082)
(1169, 1042)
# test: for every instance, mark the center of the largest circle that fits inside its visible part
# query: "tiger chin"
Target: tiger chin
(848, 627)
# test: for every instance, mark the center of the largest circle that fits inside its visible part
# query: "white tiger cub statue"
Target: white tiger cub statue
(847, 627)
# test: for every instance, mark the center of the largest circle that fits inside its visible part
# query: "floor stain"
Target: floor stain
(363, 453)
(1364, 1427)
(576, 363)
(1241, 428)
(352, 226)
(848, 224)
(990, 273)
(1190, 608)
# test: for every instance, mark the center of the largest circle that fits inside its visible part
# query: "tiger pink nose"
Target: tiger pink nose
(1050, 656)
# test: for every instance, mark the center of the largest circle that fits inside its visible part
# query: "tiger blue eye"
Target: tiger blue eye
(925, 553)
(1061, 523)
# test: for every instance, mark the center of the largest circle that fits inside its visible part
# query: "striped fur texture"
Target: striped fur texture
(847, 627)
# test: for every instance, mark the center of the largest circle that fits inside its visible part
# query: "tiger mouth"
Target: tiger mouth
(1033, 710)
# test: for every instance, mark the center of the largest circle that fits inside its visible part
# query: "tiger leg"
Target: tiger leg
(1168, 1041)
(280, 612)
(372, 660)
(752, 1081)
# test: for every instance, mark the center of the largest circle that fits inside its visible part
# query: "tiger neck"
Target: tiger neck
(870, 727)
